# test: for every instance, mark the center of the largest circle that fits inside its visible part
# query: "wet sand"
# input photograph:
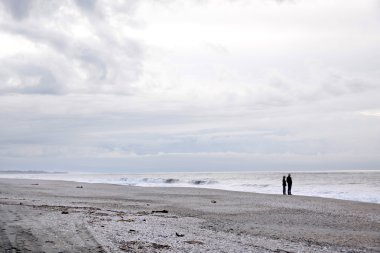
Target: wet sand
(58, 216)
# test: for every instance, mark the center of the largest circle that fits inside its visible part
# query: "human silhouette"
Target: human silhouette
(283, 185)
(289, 181)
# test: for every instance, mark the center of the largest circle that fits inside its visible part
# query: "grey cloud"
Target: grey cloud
(34, 32)
(19, 9)
(38, 133)
(94, 65)
(102, 71)
(358, 85)
(338, 84)
(287, 91)
(87, 5)
(104, 62)
(19, 77)
(46, 84)
(167, 130)
(231, 1)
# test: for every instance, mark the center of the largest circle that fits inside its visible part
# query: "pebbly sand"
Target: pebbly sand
(59, 216)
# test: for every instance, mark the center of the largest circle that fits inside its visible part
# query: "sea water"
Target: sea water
(350, 185)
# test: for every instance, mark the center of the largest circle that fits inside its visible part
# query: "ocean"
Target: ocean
(361, 186)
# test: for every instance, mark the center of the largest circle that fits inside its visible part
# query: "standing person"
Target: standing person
(283, 185)
(289, 181)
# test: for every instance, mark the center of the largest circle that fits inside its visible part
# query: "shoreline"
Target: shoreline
(92, 217)
(204, 183)
(187, 187)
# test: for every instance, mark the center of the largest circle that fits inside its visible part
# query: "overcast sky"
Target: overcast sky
(195, 85)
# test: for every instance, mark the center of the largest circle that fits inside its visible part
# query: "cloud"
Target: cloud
(73, 51)
(86, 5)
(29, 79)
(145, 85)
(337, 85)
(19, 9)
(371, 114)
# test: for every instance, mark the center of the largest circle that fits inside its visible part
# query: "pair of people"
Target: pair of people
(288, 181)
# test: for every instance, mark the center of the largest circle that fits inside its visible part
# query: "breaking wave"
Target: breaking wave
(203, 182)
(166, 181)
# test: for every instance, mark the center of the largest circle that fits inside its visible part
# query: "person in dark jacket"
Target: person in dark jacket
(289, 181)
(283, 185)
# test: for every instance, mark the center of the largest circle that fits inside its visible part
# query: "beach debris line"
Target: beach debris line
(142, 213)
(130, 219)
(282, 251)
(194, 242)
(161, 211)
(139, 246)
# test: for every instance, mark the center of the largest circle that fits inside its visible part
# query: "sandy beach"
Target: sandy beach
(59, 216)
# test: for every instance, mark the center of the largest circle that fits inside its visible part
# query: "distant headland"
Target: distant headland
(30, 172)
